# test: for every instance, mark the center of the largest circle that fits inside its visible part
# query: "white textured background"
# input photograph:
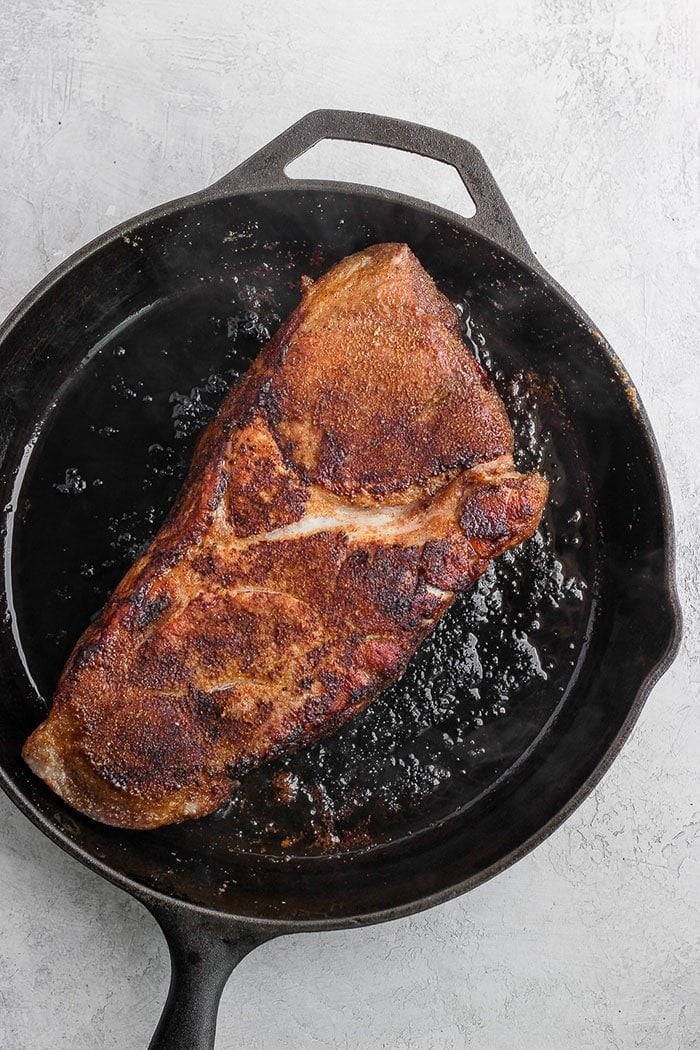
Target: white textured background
(585, 111)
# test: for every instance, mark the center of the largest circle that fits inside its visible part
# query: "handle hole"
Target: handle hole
(391, 169)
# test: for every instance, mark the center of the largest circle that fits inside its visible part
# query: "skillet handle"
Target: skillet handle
(203, 952)
(265, 170)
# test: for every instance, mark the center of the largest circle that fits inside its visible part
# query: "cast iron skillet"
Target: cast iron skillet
(507, 719)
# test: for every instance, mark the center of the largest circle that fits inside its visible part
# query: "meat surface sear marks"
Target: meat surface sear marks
(353, 482)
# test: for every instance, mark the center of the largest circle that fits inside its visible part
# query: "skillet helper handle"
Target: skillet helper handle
(265, 170)
(203, 953)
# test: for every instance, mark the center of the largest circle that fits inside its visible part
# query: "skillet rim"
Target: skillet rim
(666, 584)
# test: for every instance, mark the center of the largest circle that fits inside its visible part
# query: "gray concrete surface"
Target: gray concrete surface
(584, 110)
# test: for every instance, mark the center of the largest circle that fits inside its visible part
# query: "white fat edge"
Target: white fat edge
(437, 592)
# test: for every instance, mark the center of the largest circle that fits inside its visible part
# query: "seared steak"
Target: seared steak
(354, 480)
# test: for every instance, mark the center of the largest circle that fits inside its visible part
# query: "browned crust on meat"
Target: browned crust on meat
(354, 480)
(398, 401)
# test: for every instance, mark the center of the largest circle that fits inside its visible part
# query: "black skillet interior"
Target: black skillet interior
(525, 686)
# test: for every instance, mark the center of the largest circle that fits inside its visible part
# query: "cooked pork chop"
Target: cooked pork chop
(354, 480)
